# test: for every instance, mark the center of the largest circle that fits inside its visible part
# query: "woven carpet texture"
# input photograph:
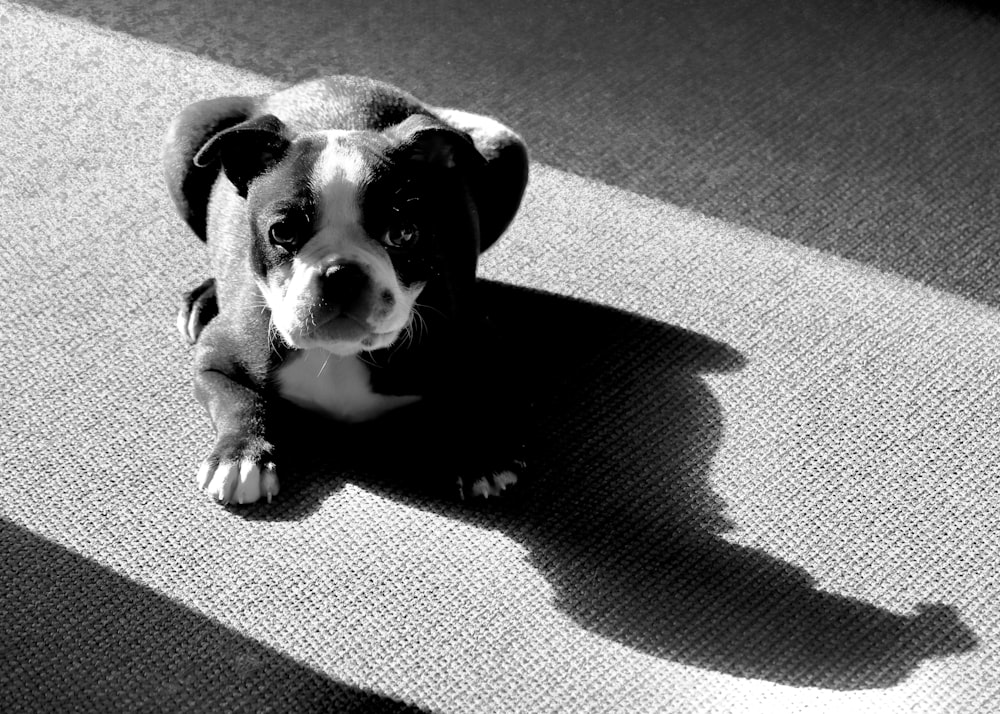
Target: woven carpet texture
(754, 291)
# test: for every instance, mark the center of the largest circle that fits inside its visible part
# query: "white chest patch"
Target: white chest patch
(339, 387)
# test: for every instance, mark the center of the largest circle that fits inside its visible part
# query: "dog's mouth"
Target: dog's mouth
(341, 328)
(347, 330)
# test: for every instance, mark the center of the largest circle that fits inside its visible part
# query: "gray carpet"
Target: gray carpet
(755, 288)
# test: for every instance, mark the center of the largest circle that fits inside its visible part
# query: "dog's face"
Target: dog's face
(325, 244)
(347, 228)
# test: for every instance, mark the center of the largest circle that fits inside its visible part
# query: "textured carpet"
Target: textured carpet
(755, 285)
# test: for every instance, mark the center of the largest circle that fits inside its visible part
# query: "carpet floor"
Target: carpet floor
(754, 288)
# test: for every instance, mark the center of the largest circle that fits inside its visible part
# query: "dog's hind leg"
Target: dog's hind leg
(197, 309)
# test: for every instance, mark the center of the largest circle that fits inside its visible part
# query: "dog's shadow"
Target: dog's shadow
(620, 517)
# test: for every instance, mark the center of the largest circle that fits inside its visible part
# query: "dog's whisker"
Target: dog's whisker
(325, 362)
(407, 339)
(408, 332)
(424, 306)
(272, 335)
(420, 328)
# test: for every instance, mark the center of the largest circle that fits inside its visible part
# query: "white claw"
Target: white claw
(224, 481)
(481, 488)
(204, 475)
(248, 488)
(269, 483)
(505, 479)
(240, 482)
(501, 481)
(237, 482)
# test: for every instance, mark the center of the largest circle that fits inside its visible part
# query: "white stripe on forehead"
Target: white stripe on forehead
(337, 179)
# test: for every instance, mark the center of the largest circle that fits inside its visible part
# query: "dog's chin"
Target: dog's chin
(343, 336)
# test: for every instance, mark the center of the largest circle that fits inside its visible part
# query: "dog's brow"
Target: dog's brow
(338, 177)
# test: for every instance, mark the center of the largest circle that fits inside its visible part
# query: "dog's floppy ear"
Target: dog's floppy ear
(426, 139)
(246, 150)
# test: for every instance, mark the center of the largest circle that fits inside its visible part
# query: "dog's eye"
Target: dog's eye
(283, 233)
(402, 235)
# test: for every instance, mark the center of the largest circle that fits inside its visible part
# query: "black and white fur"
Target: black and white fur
(344, 219)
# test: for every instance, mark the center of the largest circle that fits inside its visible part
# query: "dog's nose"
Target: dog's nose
(344, 286)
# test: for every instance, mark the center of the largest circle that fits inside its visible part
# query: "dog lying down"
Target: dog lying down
(344, 219)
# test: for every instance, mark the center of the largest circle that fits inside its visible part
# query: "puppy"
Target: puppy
(344, 219)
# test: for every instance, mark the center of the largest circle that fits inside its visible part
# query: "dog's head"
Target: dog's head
(348, 228)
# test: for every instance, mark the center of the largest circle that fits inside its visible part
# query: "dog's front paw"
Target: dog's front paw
(491, 483)
(239, 470)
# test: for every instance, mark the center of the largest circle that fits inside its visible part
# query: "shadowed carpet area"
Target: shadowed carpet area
(752, 291)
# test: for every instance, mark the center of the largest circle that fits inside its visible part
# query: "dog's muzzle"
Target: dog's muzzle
(347, 290)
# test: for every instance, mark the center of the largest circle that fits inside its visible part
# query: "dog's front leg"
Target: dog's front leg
(240, 468)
